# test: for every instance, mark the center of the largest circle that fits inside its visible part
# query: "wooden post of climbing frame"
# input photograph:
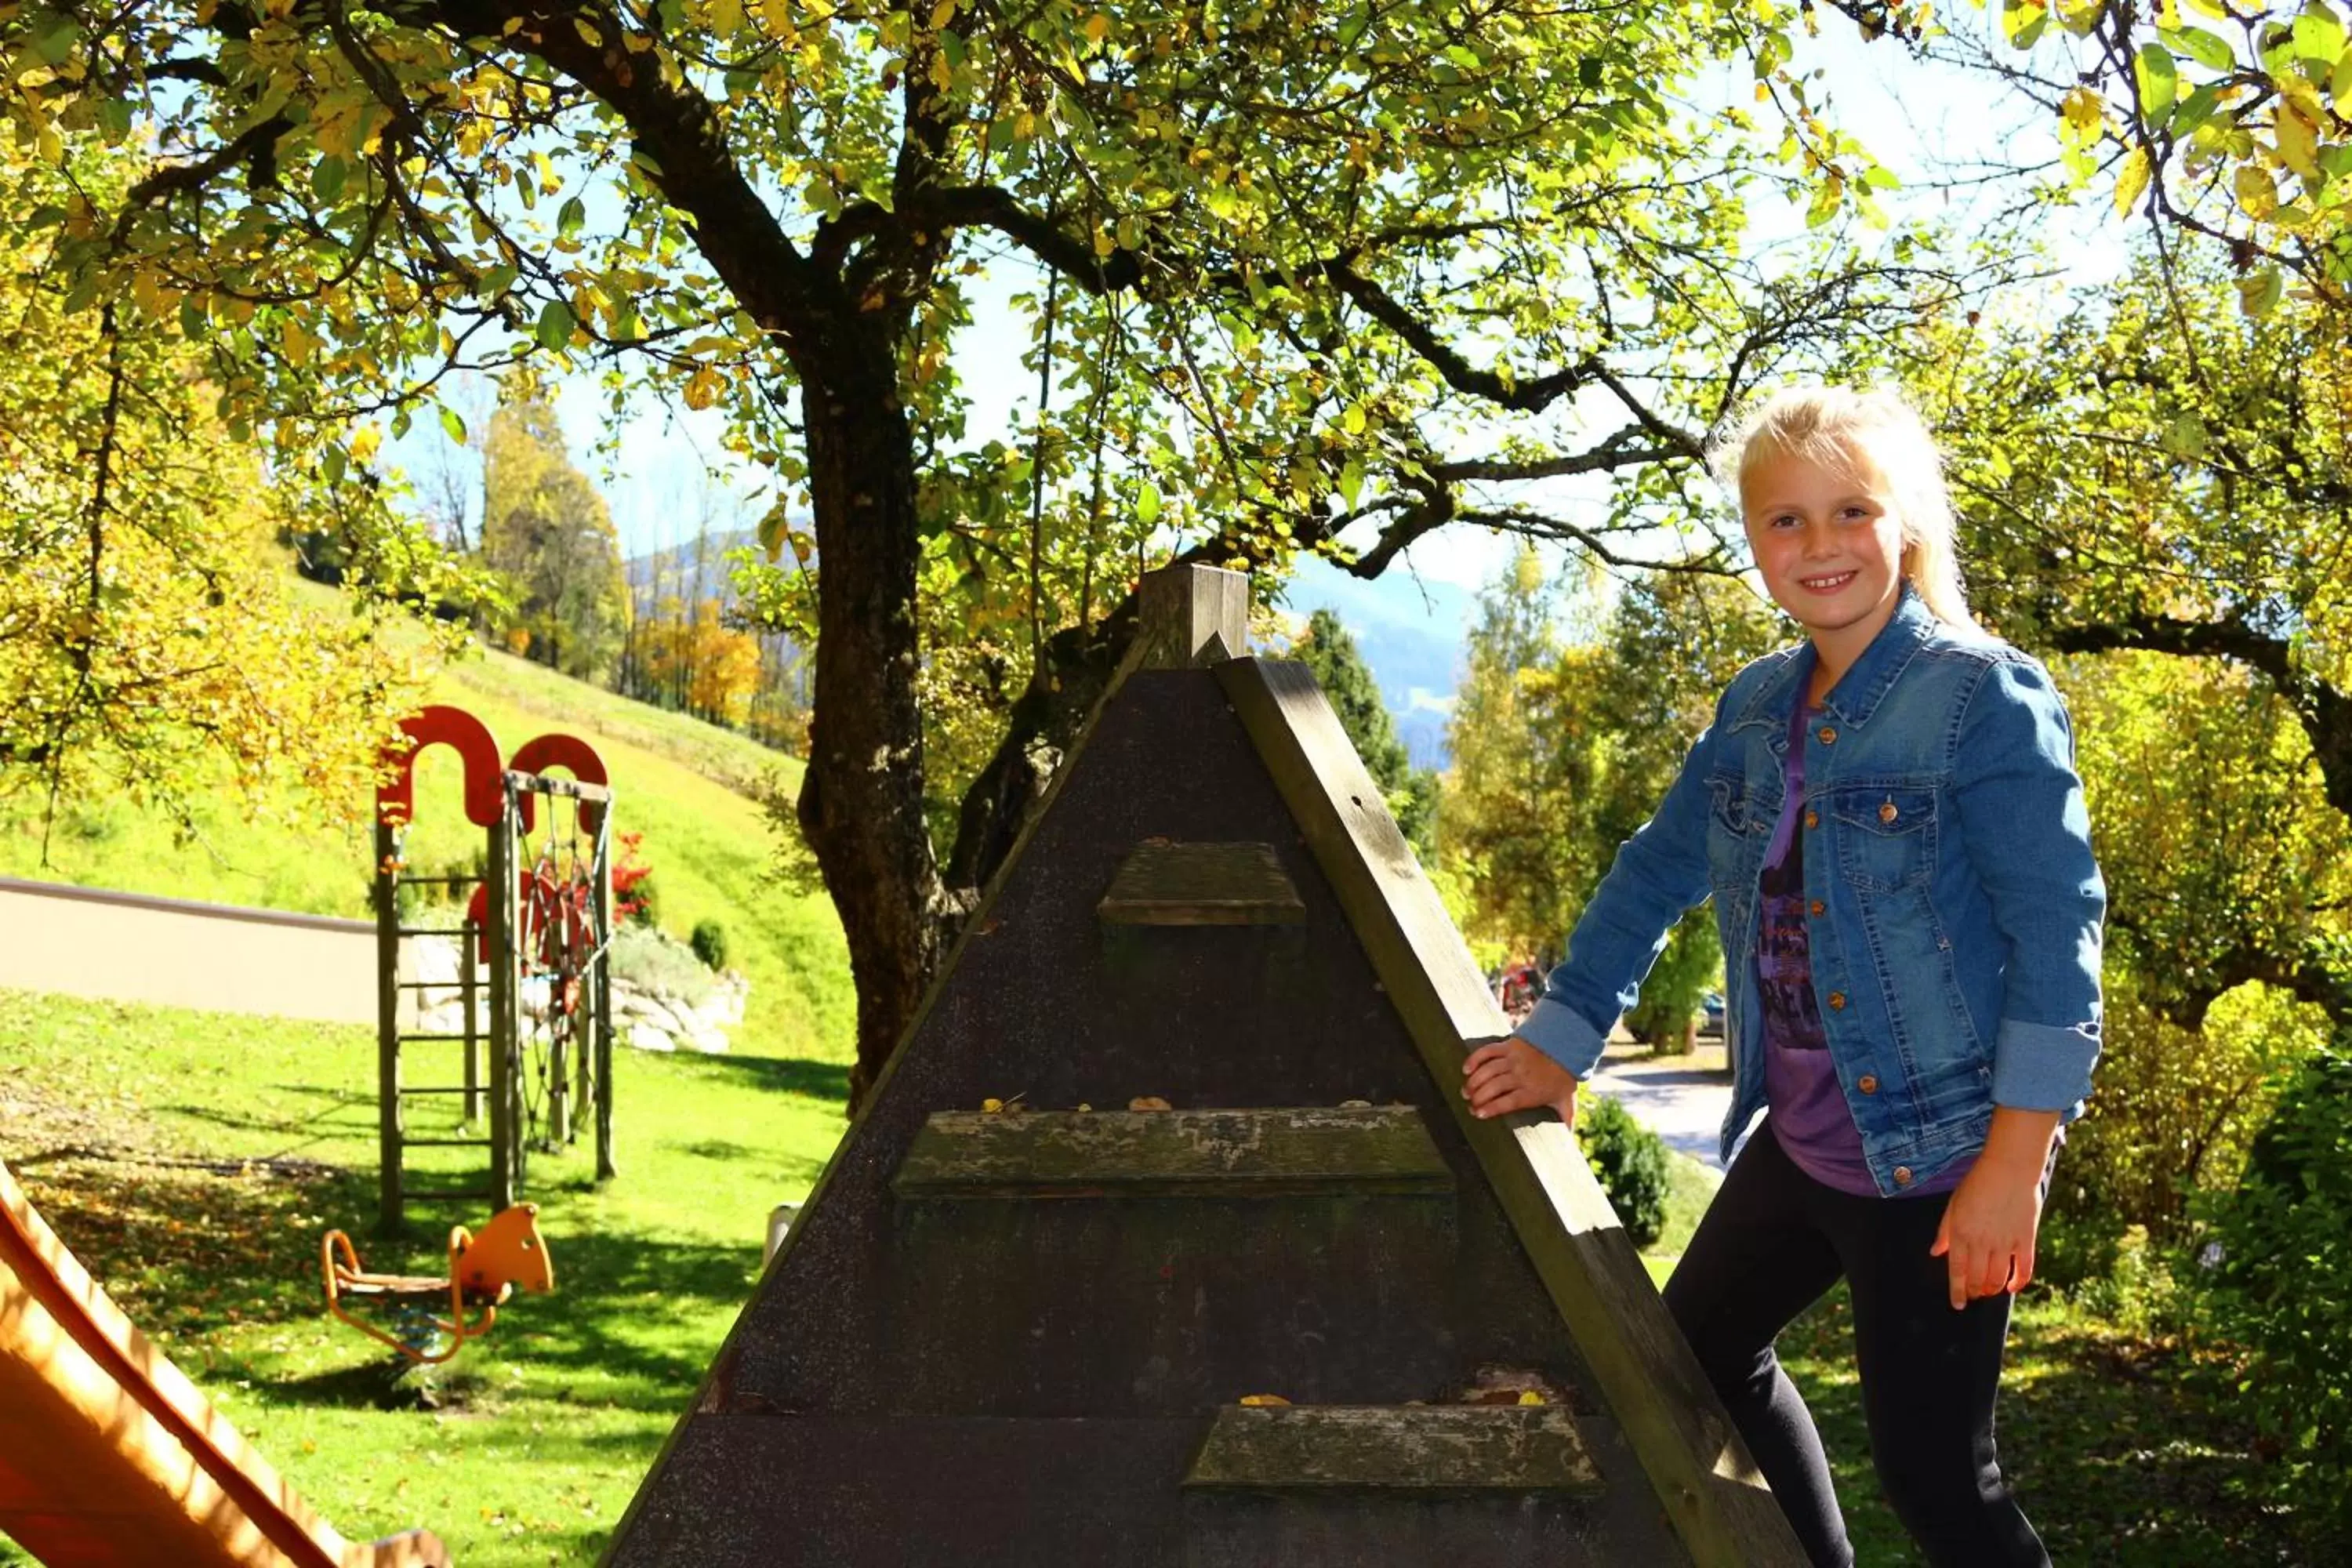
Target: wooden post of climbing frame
(387, 1024)
(505, 1036)
(534, 948)
(600, 989)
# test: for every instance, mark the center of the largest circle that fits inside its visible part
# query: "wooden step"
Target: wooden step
(756, 1486)
(1409, 1448)
(1361, 1151)
(1171, 884)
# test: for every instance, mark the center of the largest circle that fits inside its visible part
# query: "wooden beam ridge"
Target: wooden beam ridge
(1708, 1486)
(1188, 615)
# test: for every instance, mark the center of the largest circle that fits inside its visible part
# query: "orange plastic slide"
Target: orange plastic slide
(110, 1456)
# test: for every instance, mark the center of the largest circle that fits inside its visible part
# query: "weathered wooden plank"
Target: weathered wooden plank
(1708, 1483)
(1360, 1151)
(1413, 1449)
(1201, 884)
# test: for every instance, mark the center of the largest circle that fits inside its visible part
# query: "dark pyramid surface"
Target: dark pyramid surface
(1016, 1346)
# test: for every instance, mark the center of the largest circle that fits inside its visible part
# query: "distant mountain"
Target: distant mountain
(1413, 634)
(1411, 630)
(673, 567)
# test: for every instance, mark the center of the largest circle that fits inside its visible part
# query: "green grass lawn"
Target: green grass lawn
(2123, 1452)
(193, 1159)
(128, 1126)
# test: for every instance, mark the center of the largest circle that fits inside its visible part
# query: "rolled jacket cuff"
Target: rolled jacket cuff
(2043, 1066)
(1564, 1035)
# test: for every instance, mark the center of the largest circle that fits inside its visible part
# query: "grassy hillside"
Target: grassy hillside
(686, 785)
(193, 1159)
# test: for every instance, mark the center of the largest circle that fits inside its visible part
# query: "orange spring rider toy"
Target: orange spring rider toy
(483, 1272)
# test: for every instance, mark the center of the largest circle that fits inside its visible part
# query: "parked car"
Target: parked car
(1710, 1014)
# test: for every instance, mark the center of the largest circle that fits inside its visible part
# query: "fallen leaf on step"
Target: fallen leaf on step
(1263, 1399)
(1149, 1102)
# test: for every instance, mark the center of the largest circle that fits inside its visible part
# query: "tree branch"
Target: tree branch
(2325, 713)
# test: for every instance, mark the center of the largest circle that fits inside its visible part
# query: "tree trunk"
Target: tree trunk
(861, 801)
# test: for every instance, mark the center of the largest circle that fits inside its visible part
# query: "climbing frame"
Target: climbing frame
(533, 1049)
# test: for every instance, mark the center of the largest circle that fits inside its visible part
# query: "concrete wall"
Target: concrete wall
(131, 947)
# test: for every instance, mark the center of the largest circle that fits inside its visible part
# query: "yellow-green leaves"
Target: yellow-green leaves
(2259, 291)
(2131, 180)
(2190, 42)
(556, 325)
(2257, 99)
(2158, 82)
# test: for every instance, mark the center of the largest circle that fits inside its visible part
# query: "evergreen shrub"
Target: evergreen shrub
(2279, 1257)
(710, 944)
(1631, 1162)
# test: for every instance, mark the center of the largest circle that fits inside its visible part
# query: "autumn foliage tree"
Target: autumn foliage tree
(147, 636)
(693, 656)
(1574, 718)
(549, 535)
(1277, 244)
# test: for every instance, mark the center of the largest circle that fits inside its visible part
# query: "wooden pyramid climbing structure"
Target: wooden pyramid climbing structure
(1042, 1335)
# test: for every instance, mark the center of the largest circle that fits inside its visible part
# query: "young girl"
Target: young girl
(1888, 819)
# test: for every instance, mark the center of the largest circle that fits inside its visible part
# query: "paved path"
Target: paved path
(1683, 1100)
(131, 947)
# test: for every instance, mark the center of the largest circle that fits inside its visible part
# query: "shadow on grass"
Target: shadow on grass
(340, 1114)
(369, 1385)
(186, 1250)
(781, 1075)
(187, 1254)
(719, 1149)
(2122, 1453)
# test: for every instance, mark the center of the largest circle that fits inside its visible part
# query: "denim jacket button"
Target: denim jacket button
(1837, 1001)
(1828, 736)
(1819, 907)
(1867, 1083)
(1901, 1176)
(1812, 819)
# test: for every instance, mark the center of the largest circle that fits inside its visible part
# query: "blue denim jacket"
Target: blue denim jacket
(1955, 905)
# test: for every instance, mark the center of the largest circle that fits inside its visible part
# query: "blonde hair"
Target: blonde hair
(1830, 425)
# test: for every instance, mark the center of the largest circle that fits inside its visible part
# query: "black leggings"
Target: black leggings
(1771, 1244)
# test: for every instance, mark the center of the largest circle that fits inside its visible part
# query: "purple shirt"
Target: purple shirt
(1810, 1115)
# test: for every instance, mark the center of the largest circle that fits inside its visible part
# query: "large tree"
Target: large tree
(2155, 471)
(2223, 121)
(1281, 246)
